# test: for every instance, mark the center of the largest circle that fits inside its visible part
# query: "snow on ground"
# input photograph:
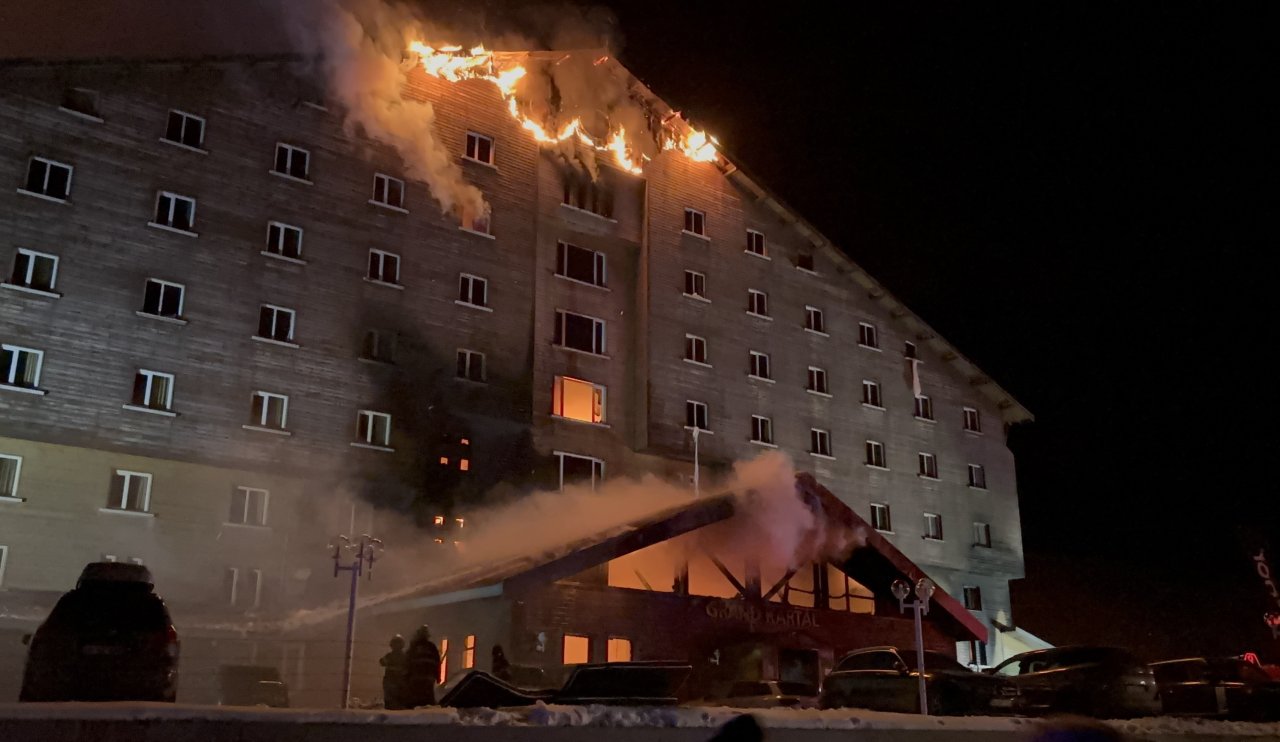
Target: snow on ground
(544, 715)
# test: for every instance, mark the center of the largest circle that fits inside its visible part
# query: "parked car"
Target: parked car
(1102, 682)
(887, 679)
(252, 685)
(1226, 686)
(109, 639)
(757, 694)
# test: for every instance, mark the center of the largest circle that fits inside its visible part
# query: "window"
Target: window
(379, 345)
(757, 303)
(255, 575)
(867, 336)
(479, 148)
(880, 517)
(972, 598)
(4, 560)
(695, 415)
(819, 442)
(871, 393)
(875, 454)
(577, 649)
(924, 407)
(814, 321)
(982, 535)
(34, 270)
(82, 101)
(755, 243)
(175, 212)
(384, 267)
(185, 129)
(276, 323)
(933, 526)
(972, 422)
(818, 381)
(578, 400)
(579, 332)
(469, 652)
(575, 469)
(292, 161)
(909, 351)
(248, 506)
(695, 284)
(162, 298)
(48, 178)
(977, 476)
(695, 222)
(284, 240)
(477, 221)
(473, 290)
(578, 264)
(761, 430)
(153, 390)
(619, 649)
(581, 192)
(388, 191)
(130, 490)
(373, 428)
(20, 367)
(269, 410)
(10, 468)
(759, 365)
(471, 365)
(927, 465)
(230, 585)
(695, 349)
(444, 661)
(804, 261)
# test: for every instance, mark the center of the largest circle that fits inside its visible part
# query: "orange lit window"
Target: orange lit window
(465, 441)
(577, 400)
(461, 522)
(439, 520)
(619, 649)
(439, 541)
(444, 660)
(469, 652)
(464, 465)
(577, 649)
(444, 460)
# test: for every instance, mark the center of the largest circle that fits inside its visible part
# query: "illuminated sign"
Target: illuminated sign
(762, 617)
(1263, 568)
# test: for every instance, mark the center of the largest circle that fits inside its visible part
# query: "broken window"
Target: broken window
(585, 194)
(871, 393)
(695, 284)
(175, 212)
(248, 506)
(379, 345)
(34, 270)
(875, 454)
(924, 407)
(695, 349)
(185, 129)
(814, 321)
(977, 476)
(818, 380)
(933, 526)
(696, 416)
(284, 240)
(384, 267)
(269, 410)
(373, 428)
(757, 303)
(587, 266)
(276, 323)
(575, 469)
(695, 222)
(579, 332)
(473, 290)
(819, 442)
(162, 298)
(388, 191)
(153, 390)
(867, 335)
(755, 243)
(972, 422)
(761, 430)
(880, 517)
(759, 365)
(479, 148)
(292, 161)
(48, 178)
(471, 365)
(927, 465)
(578, 400)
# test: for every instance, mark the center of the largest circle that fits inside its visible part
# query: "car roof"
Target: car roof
(103, 572)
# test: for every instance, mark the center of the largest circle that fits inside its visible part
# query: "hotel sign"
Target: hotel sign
(758, 616)
(1271, 617)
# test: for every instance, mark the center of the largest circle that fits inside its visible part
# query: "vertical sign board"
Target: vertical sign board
(1264, 564)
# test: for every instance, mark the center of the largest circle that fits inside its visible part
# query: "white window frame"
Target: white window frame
(933, 518)
(757, 299)
(755, 238)
(695, 405)
(888, 516)
(470, 356)
(124, 491)
(472, 149)
(872, 394)
(262, 423)
(249, 493)
(757, 362)
(146, 393)
(4, 562)
(762, 431)
(982, 534)
(869, 459)
(818, 327)
(921, 405)
(696, 219)
(13, 495)
(235, 584)
(257, 587)
(49, 165)
(599, 392)
(977, 476)
(32, 257)
(186, 118)
(692, 279)
(975, 591)
(816, 374)
(469, 282)
(382, 181)
(182, 298)
(691, 344)
(596, 465)
(276, 312)
(8, 376)
(167, 225)
(382, 256)
(926, 465)
(275, 247)
(972, 420)
(868, 336)
(820, 443)
(599, 267)
(290, 150)
(370, 427)
(599, 330)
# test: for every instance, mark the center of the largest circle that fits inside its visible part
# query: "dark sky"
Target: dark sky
(1075, 198)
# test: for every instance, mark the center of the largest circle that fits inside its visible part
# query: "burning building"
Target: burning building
(242, 295)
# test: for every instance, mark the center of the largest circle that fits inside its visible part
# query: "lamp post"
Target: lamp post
(919, 607)
(363, 552)
(696, 491)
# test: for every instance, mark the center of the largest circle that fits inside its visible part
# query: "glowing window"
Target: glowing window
(444, 660)
(464, 465)
(439, 520)
(577, 649)
(619, 649)
(469, 652)
(578, 400)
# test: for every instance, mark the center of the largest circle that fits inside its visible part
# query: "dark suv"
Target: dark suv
(887, 679)
(1103, 682)
(109, 639)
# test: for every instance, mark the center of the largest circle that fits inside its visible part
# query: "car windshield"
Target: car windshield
(933, 661)
(1057, 658)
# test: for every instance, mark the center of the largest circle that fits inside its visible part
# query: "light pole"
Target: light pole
(363, 551)
(919, 607)
(696, 492)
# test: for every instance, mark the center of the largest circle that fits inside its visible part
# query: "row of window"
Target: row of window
(882, 521)
(695, 223)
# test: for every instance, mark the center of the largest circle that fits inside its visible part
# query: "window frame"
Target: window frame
(290, 150)
(756, 239)
(882, 507)
(33, 257)
(128, 476)
(275, 248)
(871, 448)
(757, 299)
(8, 376)
(472, 153)
(469, 355)
(373, 416)
(599, 265)
(695, 223)
(174, 198)
(600, 399)
(467, 283)
(820, 443)
(936, 519)
(182, 130)
(48, 171)
(868, 336)
(386, 181)
(762, 431)
(247, 508)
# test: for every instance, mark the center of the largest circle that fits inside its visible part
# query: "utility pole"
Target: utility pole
(696, 469)
(363, 552)
(919, 608)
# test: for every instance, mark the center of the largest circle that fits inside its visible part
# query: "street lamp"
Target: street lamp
(363, 553)
(696, 491)
(919, 607)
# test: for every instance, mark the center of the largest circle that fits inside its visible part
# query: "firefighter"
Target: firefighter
(423, 662)
(394, 674)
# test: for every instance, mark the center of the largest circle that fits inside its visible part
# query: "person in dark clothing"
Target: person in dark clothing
(500, 667)
(423, 663)
(396, 664)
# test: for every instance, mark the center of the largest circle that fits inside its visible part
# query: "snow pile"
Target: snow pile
(1191, 726)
